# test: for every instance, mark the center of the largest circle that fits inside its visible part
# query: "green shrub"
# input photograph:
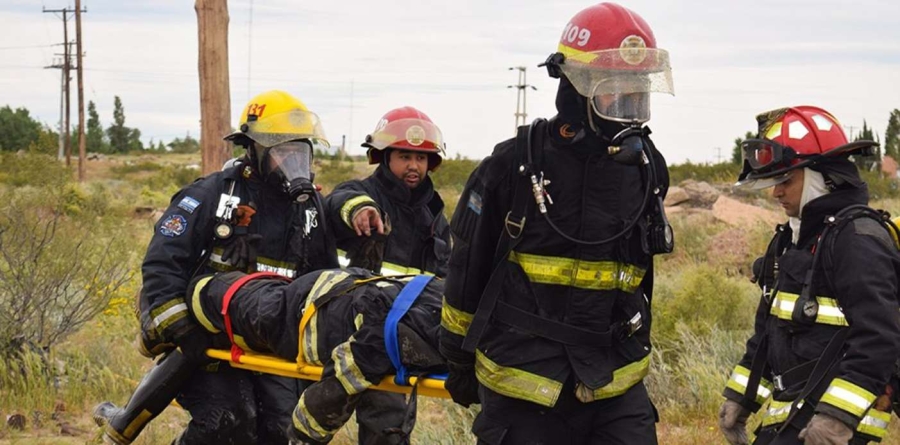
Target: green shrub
(453, 174)
(334, 172)
(722, 173)
(121, 171)
(33, 169)
(702, 298)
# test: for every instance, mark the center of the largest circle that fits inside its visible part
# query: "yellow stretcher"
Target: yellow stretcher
(270, 364)
(300, 369)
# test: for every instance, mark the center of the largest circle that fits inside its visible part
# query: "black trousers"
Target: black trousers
(629, 419)
(234, 406)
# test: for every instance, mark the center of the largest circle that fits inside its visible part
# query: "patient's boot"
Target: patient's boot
(155, 392)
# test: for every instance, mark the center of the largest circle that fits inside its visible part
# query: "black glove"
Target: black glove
(240, 250)
(462, 384)
(194, 345)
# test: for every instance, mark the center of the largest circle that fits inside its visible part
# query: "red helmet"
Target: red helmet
(609, 54)
(405, 128)
(792, 138)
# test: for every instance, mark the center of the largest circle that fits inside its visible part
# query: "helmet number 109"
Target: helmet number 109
(573, 32)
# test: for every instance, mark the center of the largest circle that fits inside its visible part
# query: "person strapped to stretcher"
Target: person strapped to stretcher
(336, 319)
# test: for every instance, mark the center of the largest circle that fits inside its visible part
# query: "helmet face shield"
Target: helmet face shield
(411, 134)
(271, 130)
(618, 71)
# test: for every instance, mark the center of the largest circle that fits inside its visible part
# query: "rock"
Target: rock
(736, 213)
(16, 421)
(675, 196)
(889, 167)
(67, 429)
(701, 193)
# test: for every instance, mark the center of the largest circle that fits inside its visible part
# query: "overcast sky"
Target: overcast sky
(350, 61)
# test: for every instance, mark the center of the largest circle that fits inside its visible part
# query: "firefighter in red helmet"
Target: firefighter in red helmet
(392, 223)
(546, 317)
(829, 281)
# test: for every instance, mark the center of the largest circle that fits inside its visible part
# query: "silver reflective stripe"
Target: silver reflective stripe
(871, 421)
(761, 391)
(283, 271)
(161, 318)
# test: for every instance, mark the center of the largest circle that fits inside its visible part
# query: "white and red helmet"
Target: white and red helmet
(609, 54)
(406, 128)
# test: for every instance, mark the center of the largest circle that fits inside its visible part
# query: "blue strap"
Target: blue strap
(401, 305)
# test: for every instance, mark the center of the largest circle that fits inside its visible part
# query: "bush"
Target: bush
(725, 172)
(33, 169)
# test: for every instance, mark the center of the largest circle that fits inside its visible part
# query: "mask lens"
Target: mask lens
(630, 107)
(290, 160)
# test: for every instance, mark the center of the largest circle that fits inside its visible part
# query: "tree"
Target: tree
(892, 135)
(19, 130)
(96, 139)
(118, 133)
(867, 162)
(737, 155)
(186, 145)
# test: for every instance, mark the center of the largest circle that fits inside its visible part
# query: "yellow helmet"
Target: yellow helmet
(275, 117)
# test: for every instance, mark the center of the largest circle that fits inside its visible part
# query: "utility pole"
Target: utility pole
(80, 72)
(718, 155)
(521, 104)
(215, 90)
(66, 67)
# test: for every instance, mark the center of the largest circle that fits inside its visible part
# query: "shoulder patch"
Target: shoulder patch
(188, 204)
(475, 202)
(173, 225)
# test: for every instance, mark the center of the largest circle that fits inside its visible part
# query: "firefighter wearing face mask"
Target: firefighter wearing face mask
(398, 200)
(262, 214)
(827, 333)
(546, 318)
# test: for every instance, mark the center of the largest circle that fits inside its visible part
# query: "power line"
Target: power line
(66, 67)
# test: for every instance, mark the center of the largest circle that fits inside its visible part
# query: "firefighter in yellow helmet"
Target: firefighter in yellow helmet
(261, 214)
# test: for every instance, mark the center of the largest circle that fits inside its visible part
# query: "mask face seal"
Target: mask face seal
(288, 165)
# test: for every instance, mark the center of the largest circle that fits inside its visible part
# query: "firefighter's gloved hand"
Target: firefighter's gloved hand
(194, 344)
(733, 422)
(823, 429)
(367, 218)
(240, 250)
(462, 384)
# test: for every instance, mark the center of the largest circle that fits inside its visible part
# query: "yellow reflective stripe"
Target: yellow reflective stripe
(238, 340)
(455, 320)
(352, 203)
(346, 371)
(848, 397)
(198, 307)
(389, 269)
(777, 412)
(574, 54)
(516, 383)
(874, 423)
(305, 422)
(325, 282)
(263, 264)
(624, 378)
(594, 275)
(829, 311)
(168, 313)
(738, 383)
(131, 431)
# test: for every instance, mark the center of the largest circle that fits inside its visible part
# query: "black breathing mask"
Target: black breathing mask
(287, 165)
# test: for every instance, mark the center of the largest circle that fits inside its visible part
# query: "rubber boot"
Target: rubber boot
(155, 392)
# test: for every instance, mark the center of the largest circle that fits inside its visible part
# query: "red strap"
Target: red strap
(236, 351)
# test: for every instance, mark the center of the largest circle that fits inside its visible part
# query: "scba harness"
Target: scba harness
(807, 309)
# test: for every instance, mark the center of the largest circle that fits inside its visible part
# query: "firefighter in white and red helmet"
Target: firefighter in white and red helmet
(393, 223)
(827, 335)
(546, 316)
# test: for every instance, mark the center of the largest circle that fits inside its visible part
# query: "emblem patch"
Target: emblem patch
(173, 226)
(415, 135)
(188, 204)
(633, 50)
(475, 202)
